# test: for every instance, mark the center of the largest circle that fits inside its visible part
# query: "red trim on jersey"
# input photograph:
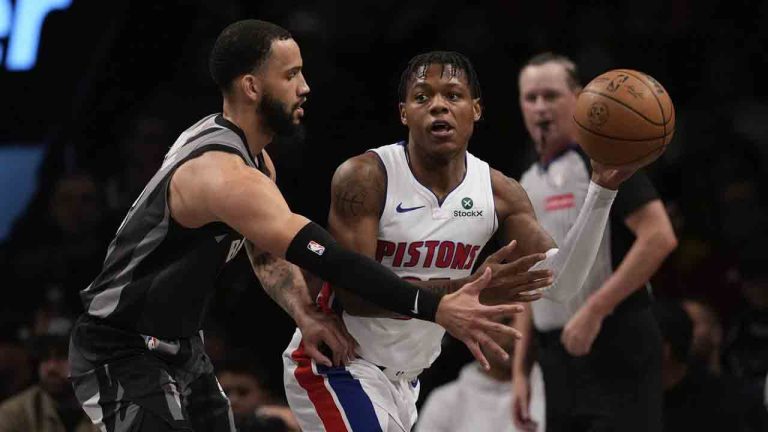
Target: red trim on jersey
(318, 393)
(559, 202)
(325, 298)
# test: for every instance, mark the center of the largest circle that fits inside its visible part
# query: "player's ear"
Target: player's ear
(477, 109)
(403, 118)
(250, 86)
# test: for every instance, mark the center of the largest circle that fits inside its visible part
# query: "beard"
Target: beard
(279, 118)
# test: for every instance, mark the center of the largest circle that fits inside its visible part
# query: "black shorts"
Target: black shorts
(124, 386)
(616, 387)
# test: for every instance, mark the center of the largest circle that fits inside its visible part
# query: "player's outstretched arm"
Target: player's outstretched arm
(570, 262)
(218, 186)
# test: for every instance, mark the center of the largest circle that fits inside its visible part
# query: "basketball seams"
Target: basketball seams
(661, 107)
(625, 105)
(602, 141)
(655, 149)
(618, 138)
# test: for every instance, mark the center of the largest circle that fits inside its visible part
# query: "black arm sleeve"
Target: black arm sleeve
(315, 250)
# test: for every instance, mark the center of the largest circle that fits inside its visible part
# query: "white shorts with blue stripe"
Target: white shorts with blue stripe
(358, 397)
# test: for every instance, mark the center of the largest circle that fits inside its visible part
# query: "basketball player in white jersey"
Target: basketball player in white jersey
(424, 208)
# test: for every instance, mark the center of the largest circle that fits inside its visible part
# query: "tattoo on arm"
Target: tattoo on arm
(351, 200)
(359, 192)
(282, 280)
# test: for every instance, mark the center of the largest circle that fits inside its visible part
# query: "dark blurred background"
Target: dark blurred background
(115, 82)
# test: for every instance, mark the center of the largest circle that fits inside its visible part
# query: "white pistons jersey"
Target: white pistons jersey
(421, 238)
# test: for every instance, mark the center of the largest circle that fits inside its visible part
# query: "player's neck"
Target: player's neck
(439, 175)
(255, 132)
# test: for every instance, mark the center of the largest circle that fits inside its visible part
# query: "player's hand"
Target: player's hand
(513, 281)
(521, 399)
(610, 177)
(462, 315)
(319, 328)
(581, 330)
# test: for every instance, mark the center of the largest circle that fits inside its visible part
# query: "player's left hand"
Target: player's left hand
(513, 281)
(581, 330)
(318, 328)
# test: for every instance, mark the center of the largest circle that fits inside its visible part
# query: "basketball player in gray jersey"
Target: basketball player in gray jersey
(137, 357)
(600, 352)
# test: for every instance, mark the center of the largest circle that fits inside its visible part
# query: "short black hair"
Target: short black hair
(571, 70)
(241, 48)
(676, 328)
(457, 60)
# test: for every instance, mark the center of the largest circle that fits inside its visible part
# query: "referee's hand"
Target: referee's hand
(463, 316)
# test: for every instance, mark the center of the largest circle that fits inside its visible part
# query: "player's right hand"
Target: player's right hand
(514, 281)
(463, 316)
(318, 328)
(521, 398)
(611, 177)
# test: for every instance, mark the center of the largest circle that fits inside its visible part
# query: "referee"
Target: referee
(600, 353)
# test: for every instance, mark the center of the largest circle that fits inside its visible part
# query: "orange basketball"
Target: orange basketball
(624, 116)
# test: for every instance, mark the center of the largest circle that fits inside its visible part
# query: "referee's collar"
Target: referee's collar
(572, 146)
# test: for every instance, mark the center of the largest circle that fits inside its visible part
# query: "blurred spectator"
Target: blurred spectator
(255, 409)
(480, 400)
(695, 399)
(746, 345)
(15, 369)
(50, 405)
(141, 153)
(707, 334)
(54, 253)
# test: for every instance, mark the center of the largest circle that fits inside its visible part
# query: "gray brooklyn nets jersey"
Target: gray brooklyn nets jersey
(158, 276)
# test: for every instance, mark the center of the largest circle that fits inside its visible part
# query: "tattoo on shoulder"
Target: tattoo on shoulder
(359, 193)
(351, 199)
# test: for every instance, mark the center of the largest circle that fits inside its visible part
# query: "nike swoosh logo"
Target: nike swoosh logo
(415, 309)
(401, 209)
